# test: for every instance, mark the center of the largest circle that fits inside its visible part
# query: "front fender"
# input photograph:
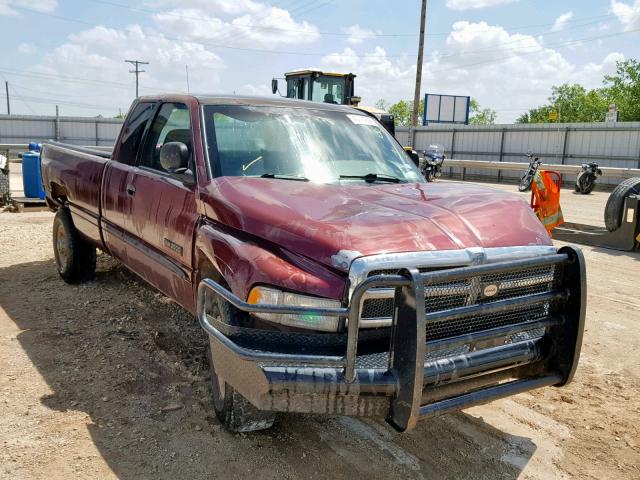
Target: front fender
(244, 262)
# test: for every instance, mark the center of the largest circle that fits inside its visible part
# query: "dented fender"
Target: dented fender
(244, 261)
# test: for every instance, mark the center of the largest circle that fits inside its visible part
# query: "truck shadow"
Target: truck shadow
(134, 363)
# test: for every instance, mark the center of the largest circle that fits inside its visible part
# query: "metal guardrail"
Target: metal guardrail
(521, 167)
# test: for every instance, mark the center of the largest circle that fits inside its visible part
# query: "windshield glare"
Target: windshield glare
(320, 145)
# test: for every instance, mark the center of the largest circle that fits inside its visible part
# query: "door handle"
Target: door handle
(131, 190)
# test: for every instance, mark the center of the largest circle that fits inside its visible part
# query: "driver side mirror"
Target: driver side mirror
(274, 85)
(174, 157)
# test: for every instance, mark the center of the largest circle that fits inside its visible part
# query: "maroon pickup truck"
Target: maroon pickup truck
(327, 274)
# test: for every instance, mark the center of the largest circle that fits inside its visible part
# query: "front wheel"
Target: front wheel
(75, 257)
(234, 411)
(526, 181)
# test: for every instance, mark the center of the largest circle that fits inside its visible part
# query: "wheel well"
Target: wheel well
(58, 194)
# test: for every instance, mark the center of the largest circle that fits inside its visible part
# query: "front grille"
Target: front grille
(476, 290)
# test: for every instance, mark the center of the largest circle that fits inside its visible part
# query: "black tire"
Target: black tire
(75, 257)
(615, 204)
(234, 411)
(585, 183)
(526, 181)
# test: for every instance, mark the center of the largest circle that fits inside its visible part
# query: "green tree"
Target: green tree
(481, 116)
(382, 104)
(572, 103)
(623, 89)
(402, 111)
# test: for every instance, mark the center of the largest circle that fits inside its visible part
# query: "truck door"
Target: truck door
(164, 212)
(116, 180)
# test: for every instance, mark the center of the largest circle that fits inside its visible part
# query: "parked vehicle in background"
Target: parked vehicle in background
(527, 178)
(431, 165)
(329, 87)
(586, 180)
(329, 276)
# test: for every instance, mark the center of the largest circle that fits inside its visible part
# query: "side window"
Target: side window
(132, 133)
(171, 124)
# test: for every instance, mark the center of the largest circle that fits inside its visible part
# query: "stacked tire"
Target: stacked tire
(614, 210)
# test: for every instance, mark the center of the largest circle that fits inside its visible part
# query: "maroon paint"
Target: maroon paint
(318, 221)
(258, 232)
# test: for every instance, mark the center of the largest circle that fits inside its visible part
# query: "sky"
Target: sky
(507, 54)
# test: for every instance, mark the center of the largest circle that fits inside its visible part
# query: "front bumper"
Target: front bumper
(399, 373)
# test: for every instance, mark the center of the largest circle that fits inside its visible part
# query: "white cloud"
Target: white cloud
(508, 72)
(358, 34)
(261, 90)
(178, 37)
(11, 7)
(474, 4)
(259, 24)
(628, 14)
(99, 53)
(562, 21)
(27, 48)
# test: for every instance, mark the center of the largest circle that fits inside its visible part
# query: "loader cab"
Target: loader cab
(319, 86)
(328, 87)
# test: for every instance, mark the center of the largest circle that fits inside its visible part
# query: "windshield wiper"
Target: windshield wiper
(284, 177)
(374, 177)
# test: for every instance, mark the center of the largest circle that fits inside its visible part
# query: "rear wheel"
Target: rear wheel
(75, 257)
(615, 204)
(235, 412)
(585, 183)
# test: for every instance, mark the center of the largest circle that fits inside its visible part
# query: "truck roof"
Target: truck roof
(274, 101)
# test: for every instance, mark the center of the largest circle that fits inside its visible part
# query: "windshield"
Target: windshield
(318, 145)
(435, 150)
(328, 90)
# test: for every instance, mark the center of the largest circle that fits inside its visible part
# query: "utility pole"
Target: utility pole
(6, 89)
(186, 67)
(137, 71)
(416, 96)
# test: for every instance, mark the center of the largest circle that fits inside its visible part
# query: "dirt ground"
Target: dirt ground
(108, 380)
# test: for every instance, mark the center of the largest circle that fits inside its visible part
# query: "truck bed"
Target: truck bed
(72, 175)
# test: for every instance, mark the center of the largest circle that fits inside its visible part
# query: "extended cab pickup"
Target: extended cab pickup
(327, 274)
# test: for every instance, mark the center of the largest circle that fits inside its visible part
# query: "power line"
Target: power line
(274, 52)
(137, 70)
(73, 79)
(575, 23)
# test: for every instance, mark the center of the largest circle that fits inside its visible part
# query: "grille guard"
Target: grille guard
(409, 387)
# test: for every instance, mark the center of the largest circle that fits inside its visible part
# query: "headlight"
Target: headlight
(272, 296)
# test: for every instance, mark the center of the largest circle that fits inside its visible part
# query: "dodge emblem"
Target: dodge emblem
(490, 290)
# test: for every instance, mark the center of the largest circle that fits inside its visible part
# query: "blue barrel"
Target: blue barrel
(31, 178)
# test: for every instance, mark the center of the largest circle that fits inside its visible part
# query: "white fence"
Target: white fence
(609, 145)
(75, 130)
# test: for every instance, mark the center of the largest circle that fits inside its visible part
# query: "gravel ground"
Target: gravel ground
(109, 380)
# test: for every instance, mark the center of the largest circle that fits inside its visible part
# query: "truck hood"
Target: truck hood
(333, 224)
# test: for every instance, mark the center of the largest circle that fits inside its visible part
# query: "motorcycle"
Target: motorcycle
(527, 179)
(433, 158)
(586, 181)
